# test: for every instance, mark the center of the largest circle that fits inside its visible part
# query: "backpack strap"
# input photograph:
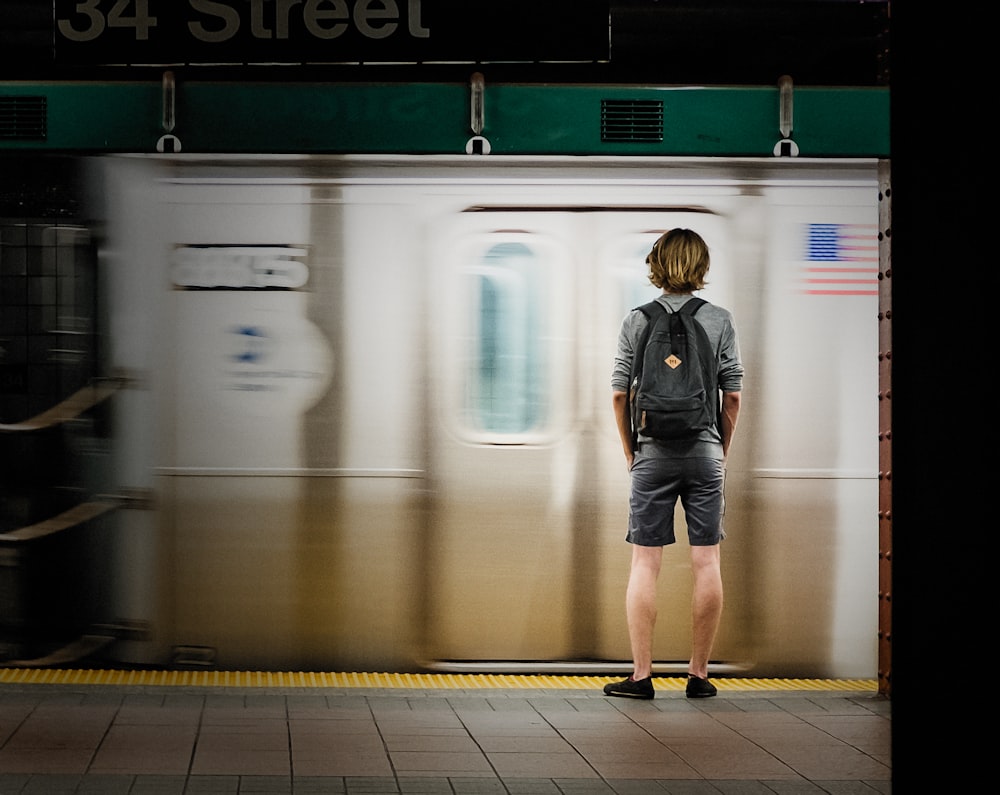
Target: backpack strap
(692, 305)
(653, 311)
(651, 308)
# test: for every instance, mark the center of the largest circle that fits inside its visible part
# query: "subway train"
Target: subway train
(353, 412)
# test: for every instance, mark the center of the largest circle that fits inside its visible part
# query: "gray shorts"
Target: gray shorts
(657, 483)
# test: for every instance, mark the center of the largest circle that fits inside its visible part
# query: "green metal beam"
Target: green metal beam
(434, 118)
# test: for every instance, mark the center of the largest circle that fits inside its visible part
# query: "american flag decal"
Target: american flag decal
(841, 259)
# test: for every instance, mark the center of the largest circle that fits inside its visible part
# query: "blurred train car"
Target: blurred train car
(369, 398)
(346, 405)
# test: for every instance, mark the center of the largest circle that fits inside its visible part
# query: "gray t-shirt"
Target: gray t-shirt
(718, 324)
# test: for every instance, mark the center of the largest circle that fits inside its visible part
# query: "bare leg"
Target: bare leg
(706, 605)
(640, 606)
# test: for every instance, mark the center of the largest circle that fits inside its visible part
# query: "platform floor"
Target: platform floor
(359, 733)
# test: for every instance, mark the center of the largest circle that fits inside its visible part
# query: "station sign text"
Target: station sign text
(153, 32)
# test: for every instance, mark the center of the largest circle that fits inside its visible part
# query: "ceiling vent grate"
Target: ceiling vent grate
(631, 120)
(23, 118)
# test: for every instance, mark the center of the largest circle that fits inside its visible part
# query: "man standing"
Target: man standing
(665, 469)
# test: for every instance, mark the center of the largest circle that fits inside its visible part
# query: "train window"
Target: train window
(638, 289)
(506, 385)
(632, 274)
(506, 309)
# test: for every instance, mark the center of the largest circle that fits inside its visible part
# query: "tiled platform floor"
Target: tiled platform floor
(171, 740)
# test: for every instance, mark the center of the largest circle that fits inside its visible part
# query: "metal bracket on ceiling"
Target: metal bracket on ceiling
(786, 147)
(477, 144)
(168, 142)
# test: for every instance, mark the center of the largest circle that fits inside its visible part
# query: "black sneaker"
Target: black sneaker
(630, 688)
(700, 688)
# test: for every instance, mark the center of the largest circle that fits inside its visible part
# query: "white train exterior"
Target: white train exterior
(369, 399)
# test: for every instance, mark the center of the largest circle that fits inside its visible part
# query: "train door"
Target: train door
(621, 284)
(504, 446)
(527, 555)
(246, 363)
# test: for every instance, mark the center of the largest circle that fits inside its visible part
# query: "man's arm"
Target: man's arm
(730, 414)
(620, 403)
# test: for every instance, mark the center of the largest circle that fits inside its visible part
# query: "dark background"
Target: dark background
(750, 42)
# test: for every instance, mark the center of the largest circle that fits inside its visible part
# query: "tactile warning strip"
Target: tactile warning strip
(423, 681)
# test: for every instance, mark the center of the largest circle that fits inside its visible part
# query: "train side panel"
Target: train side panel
(409, 459)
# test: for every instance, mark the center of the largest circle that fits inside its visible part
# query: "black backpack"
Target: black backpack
(674, 391)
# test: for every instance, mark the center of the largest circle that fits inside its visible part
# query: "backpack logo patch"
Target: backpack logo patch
(672, 362)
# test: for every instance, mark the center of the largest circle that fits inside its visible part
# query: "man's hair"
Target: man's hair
(679, 261)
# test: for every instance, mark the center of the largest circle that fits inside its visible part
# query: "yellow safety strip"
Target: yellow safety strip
(420, 681)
